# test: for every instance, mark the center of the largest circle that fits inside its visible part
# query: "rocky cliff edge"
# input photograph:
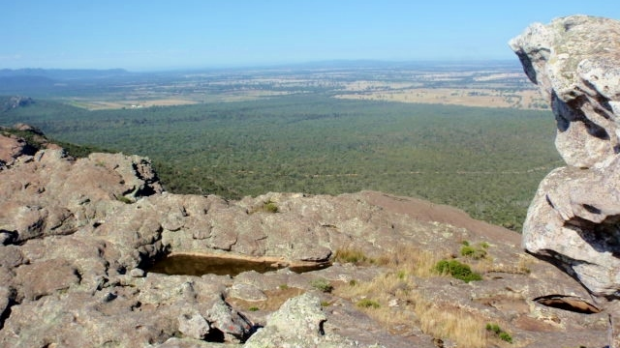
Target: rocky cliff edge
(80, 240)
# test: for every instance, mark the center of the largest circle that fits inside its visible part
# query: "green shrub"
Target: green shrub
(501, 334)
(322, 285)
(283, 287)
(474, 252)
(253, 309)
(457, 270)
(505, 336)
(270, 207)
(494, 327)
(467, 250)
(366, 303)
(267, 207)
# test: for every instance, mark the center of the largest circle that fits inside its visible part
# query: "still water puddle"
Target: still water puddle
(198, 265)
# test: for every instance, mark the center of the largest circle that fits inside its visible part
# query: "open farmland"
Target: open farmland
(489, 84)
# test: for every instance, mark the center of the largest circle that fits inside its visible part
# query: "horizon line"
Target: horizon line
(453, 62)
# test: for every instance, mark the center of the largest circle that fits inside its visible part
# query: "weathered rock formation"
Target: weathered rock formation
(78, 238)
(574, 218)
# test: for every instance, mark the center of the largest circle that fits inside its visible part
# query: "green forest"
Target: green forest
(483, 160)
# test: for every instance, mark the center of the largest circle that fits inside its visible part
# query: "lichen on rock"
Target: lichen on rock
(575, 61)
(573, 221)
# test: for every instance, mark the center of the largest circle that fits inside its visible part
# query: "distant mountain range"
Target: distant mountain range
(41, 81)
(62, 74)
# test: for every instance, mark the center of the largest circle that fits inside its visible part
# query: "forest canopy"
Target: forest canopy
(486, 161)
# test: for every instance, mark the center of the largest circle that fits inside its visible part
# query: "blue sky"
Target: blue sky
(156, 34)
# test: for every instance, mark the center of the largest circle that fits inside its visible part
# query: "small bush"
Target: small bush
(270, 207)
(505, 336)
(283, 287)
(457, 270)
(352, 282)
(474, 252)
(366, 303)
(494, 328)
(467, 250)
(253, 309)
(501, 334)
(267, 207)
(325, 304)
(322, 285)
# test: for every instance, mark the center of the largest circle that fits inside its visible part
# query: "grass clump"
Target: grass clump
(270, 207)
(267, 207)
(358, 257)
(457, 270)
(322, 285)
(438, 321)
(497, 331)
(350, 256)
(476, 252)
(367, 303)
(253, 309)
(505, 336)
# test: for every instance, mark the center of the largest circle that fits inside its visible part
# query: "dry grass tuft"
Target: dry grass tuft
(349, 255)
(522, 266)
(465, 329)
(392, 300)
(357, 257)
(412, 261)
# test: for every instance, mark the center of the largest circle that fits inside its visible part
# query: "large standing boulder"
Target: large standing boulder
(574, 61)
(573, 219)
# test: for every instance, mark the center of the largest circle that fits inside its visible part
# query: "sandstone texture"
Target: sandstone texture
(573, 220)
(78, 239)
